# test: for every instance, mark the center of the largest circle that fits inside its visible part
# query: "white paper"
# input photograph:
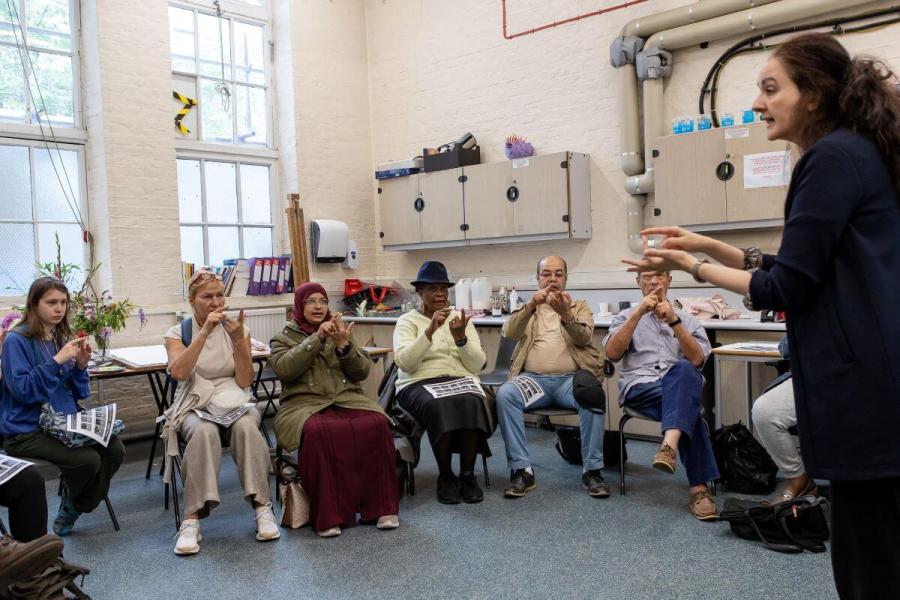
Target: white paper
(228, 418)
(518, 163)
(769, 169)
(140, 356)
(528, 387)
(10, 467)
(736, 133)
(96, 423)
(464, 385)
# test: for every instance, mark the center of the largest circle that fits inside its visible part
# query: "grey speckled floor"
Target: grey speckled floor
(556, 542)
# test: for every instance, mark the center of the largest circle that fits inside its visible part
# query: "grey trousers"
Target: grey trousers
(773, 413)
(203, 455)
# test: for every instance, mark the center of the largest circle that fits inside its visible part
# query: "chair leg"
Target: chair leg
(175, 506)
(622, 421)
(411, 480)
(166, 497)
(152, 451)
(112, 513)
(487, 477)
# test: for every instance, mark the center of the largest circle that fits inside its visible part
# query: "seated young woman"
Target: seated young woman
(214, 372)
(434, 345)
(42, 363)
(347, 452)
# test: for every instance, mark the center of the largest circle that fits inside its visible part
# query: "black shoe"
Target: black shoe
(520, 483)
(469, 490)
(593, 482)
(448, 491)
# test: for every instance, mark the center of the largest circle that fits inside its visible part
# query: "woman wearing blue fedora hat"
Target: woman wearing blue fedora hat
(439, 355)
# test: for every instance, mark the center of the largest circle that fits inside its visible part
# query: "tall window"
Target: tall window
(221, 62)
(224, 209)
(42, 198)
(38, 65)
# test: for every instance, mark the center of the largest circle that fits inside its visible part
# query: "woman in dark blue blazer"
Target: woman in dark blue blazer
(837, 274)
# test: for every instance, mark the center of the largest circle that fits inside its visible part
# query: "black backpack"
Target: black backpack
(791, 526)
(744, 465)
(568, 444)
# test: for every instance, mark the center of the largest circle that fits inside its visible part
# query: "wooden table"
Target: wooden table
(747, 353)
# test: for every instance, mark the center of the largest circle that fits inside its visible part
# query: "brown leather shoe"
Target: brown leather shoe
(703, 507)
(665, 459)
(19, 562)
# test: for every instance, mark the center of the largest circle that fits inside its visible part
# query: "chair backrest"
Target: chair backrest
(387, 388)
(505, 353)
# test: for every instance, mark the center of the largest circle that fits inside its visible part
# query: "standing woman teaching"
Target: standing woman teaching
(837, 275)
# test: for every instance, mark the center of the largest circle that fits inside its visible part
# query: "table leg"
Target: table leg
(160, 390)
(748, 373)
(717, 373)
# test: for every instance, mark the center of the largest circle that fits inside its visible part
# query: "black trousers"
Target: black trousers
(865, 544)
(26, 498)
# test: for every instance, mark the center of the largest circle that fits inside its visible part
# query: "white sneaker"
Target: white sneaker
(330, 532)
(388, 522)
(266, 528)
(188, 538)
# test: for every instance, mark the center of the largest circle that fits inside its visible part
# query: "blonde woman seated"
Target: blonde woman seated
(435, 345)
(214, 371)
(347, 456)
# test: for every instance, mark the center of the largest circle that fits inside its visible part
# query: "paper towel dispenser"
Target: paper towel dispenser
(329, 240)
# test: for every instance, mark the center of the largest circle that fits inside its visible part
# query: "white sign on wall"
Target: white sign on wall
(768, 169)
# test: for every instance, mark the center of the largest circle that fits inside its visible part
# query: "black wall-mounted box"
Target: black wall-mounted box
(458, 157)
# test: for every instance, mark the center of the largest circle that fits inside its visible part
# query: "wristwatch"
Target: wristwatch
(753, 258)
(695, 270)
(462, 342)
(677, 321)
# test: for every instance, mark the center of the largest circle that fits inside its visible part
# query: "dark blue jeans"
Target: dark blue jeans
(674, 400)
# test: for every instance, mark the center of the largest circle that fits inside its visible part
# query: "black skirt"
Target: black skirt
(448, 414)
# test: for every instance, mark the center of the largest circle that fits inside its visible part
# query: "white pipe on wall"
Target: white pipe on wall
(760, 17)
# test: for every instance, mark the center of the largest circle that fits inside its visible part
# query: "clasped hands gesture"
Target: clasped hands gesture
(336, 329)
(560, 302)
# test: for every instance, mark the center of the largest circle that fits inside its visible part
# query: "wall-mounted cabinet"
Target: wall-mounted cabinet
(538, 198)
(701, 181)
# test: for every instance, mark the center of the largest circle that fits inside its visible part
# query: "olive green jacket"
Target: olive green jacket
(522, 327)
(313, 378)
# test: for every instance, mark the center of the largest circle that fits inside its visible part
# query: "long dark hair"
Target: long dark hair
(31, 324)
(856, 93)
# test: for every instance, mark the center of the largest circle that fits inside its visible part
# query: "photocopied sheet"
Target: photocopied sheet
(528, 387)
(10, 466)
(96, 423)
(228, 419)
(463, 385)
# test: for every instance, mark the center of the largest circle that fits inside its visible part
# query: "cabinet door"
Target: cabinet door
(489, 212)
(442, 215)
(688, 192)
(543, 189)
(400, 221)
(751, 204)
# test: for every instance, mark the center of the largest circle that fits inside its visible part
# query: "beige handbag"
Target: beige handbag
(294, 501)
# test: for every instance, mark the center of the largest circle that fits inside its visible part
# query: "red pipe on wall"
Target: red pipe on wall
(511, 36)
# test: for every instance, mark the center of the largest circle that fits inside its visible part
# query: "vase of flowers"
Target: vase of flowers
(100, 316)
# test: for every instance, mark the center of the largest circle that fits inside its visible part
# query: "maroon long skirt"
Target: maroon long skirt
(347, 467)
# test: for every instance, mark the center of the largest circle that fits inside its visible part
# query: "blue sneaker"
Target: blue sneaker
(65, 518)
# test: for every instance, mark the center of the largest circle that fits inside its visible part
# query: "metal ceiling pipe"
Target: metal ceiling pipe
(631, 159)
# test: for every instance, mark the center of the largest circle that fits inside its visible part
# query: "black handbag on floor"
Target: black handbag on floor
(791, 526)
(744, 465)
(568, 444)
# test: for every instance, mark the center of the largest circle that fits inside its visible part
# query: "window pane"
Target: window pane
(7, 33)
(181, 40)
(16, 258)
(251, 107)
(213, 40)
(223, 243)
(54, 77)
(16, 177)
(49, 184)
(71, 245)
(217, 122)
(189, 208)
(221, 193)
(256, 203)
(12, 85)
(249, 54)
(192, 245)
(257, 241)
(48, 24)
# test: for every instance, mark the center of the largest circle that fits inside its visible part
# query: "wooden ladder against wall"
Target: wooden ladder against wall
(297, 228)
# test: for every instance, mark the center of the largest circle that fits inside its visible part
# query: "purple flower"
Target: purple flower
(9, 319)
(107, 332)
(143, 317)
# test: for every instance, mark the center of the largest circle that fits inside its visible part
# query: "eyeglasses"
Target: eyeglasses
(315, 301)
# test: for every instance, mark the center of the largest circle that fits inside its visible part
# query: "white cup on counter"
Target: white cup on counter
(603, 308)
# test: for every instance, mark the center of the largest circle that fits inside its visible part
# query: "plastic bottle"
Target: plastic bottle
(513, 300)
(463, 289)
(481, 293)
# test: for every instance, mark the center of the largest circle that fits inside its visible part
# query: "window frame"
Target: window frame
(205, 224)
(84, 205)
(31, 129)
(233, 11)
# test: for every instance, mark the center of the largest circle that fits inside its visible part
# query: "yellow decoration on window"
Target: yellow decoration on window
(187, 105)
